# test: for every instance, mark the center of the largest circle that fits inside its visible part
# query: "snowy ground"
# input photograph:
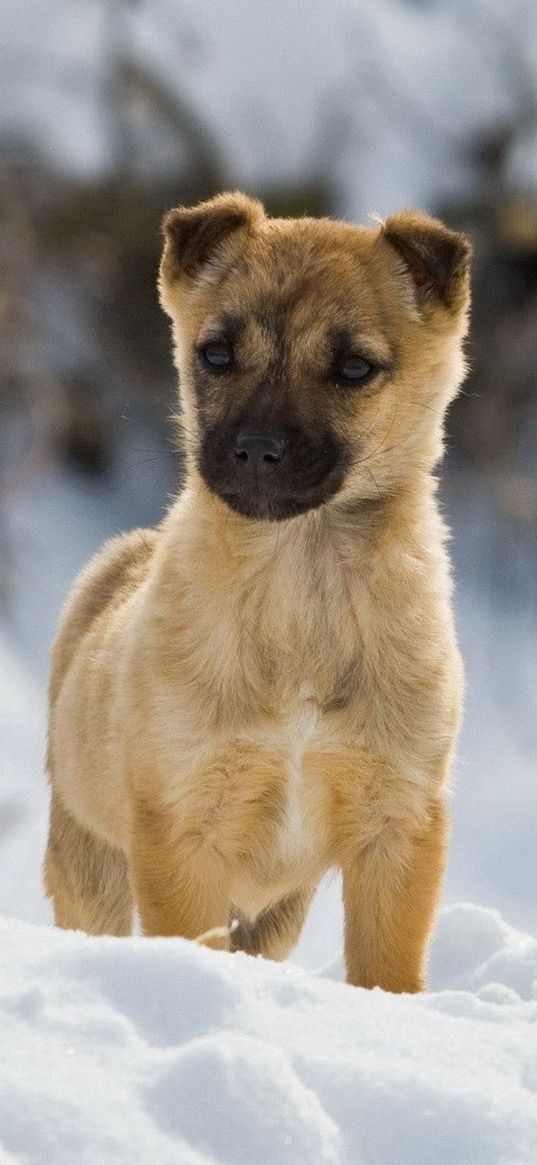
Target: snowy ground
(153, 1051)
(144, 1051)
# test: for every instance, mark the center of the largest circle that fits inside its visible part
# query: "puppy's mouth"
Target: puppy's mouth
(273, 506)
(272, 479)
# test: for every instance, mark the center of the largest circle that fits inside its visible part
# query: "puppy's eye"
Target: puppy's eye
(354, 370)
(217, 356)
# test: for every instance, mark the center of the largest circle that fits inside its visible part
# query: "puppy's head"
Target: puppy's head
(316, 359)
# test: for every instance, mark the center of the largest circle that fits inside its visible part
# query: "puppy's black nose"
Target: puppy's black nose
(259, 450)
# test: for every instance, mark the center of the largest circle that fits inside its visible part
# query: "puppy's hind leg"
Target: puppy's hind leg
(276, 930)
(86, 879)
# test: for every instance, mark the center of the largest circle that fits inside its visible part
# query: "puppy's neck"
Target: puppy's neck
(301, 589)
(353, 526)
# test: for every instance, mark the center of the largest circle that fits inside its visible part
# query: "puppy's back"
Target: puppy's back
(108, 579)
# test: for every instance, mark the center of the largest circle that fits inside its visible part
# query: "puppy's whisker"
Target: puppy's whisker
(382, 447)
(420, 404)
(371, 474)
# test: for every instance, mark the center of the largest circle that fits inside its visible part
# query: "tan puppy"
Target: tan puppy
(268, 685)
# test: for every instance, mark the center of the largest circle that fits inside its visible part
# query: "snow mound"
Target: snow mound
(145, 1051)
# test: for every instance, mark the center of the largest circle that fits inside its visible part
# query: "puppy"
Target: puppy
(268, 685)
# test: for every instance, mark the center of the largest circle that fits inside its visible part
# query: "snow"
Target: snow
(138, 1050)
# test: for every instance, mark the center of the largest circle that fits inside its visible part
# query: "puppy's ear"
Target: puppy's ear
(195, 235)
(437, 258)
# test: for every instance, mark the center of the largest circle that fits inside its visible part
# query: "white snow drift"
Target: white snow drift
(160, 1052)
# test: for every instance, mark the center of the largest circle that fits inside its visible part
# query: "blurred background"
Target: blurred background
(112, 111)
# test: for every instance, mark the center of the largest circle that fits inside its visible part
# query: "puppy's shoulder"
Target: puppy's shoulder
(114, 573)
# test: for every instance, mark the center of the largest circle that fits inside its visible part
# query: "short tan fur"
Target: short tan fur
(268, 685)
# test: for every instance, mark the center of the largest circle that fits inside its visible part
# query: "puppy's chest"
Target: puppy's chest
(299, 832)
(293, 738)
(296, 664)
(295, 848)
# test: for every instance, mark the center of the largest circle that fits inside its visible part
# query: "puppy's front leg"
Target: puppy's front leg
(180, 882)
(390, 891)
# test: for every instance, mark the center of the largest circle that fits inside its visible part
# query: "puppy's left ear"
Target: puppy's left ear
(195, 236)
(438, 259)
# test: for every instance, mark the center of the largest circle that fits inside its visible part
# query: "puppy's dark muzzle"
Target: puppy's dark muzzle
(271, 473)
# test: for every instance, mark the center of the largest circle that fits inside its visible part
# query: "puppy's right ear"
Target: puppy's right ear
(197, 237)
(435, 257)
